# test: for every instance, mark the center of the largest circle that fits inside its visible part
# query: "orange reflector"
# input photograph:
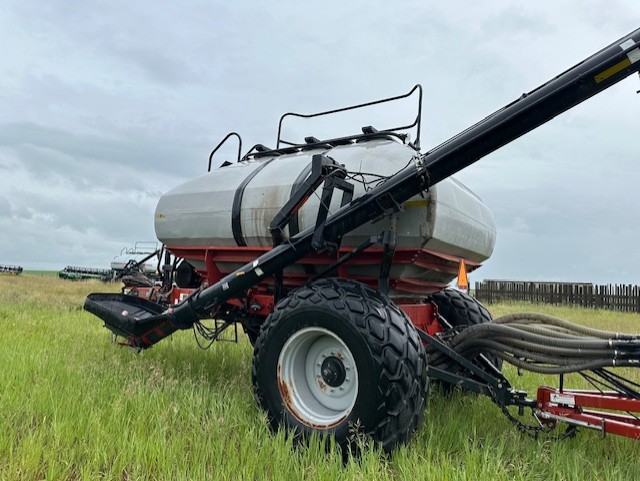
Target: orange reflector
(463, 280)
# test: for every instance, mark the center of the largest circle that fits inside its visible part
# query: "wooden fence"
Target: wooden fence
(613, 297)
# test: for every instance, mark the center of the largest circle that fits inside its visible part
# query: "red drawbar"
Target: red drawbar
(569, 406)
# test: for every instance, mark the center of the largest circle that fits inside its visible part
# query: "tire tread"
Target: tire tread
(394, 344)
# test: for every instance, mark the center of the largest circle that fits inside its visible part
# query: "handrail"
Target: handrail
(416, 122)
(220, 145)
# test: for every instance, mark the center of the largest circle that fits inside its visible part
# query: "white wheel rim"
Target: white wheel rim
(317, 377)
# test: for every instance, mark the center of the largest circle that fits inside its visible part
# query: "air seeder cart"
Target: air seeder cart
(334, 256)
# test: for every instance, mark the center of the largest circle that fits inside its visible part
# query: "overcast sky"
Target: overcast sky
(106, 105)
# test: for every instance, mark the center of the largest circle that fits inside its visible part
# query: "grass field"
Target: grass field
(75, 406)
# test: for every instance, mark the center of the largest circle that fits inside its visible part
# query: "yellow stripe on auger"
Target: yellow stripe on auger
(612, 70)
(632, 57)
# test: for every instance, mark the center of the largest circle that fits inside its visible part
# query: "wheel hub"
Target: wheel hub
(317, 377)
(333, 371)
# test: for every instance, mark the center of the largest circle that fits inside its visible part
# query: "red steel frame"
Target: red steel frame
(572, 407)
(424, 315)
(218, 262)
(219, 259)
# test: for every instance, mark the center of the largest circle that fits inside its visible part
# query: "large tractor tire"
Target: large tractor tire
(337, 357)
(461, 311)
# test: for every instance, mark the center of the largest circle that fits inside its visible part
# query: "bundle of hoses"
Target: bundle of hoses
(544, 344)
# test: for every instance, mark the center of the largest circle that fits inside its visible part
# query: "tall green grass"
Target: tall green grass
(73, 405)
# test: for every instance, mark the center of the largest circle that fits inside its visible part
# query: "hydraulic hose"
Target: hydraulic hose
(544, 344)
(513, 332)
(546, 320)
(559, 352)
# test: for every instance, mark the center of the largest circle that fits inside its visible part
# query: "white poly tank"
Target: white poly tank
(449, 219)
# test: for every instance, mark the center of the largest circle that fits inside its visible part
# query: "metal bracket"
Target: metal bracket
(494, 385)
(389, 242)
(323, 168)
(318, 241)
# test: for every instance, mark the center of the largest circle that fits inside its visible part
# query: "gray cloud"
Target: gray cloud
(516, 20)
(49, 150)
(5, 208)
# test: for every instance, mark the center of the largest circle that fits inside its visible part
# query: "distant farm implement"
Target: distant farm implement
(134, 266)
(334, 255)
(11, 269)
(74, 273)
